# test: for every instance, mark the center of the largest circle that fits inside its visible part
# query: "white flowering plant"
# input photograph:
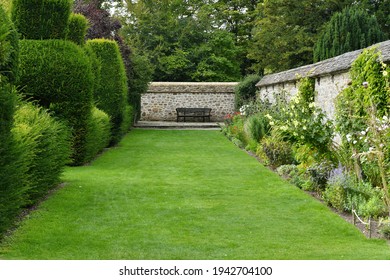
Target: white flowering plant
(302, 122)
(362, 120)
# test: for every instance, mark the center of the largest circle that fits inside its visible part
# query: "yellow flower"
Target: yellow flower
(385, 73)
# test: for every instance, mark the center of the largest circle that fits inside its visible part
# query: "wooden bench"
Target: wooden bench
(200, 113)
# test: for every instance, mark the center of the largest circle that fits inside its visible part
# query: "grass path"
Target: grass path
(183, 195)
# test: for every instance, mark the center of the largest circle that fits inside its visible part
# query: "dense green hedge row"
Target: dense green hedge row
(57, 74)
(54, 121)
(9, 48)
(41, 19)
(111, 92)
(77, 29)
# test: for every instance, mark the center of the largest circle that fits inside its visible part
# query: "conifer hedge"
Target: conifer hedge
(99, 133)
(111, 92)
(349, 30)
(57, 75)
(77, 29)
(11, 172)
(44, 145)
(41, 19)
(9, 48)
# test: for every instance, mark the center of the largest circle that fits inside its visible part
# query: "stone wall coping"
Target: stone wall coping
(331, 66)
(192, 87)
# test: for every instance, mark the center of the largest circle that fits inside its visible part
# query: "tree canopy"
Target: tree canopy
(224, 40)
(349, 30)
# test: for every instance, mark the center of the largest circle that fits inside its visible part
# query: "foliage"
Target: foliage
(77, 29)
(41, 19)
(319, 174)
(362, 120)
(304, 123)
(234, 128)
(139, 76)
(182, 41)
(99, 133)
(9, 48)
(128, 119)
(45, 149)
(385, 229)
(101, 24)
(278, 151)
(58, 76)
(366, 200)
(257, 127)
(246, 90)
(349, 30)
(6, 5)
(139, 70)
(111, 93)
(11, 171)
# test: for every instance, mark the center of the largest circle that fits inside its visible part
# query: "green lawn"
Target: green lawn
(183, 195)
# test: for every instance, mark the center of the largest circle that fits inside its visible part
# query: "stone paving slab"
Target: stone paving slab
(177, 125)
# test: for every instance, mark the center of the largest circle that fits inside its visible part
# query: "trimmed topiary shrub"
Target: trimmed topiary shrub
(45, 147)
(77, 29)
(99, 133)
(9, 48)
(246, 90)
(128, 119)
(41, 19)
(57, 75)
(111, 93)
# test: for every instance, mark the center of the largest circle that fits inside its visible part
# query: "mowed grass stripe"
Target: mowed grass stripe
(169, 194)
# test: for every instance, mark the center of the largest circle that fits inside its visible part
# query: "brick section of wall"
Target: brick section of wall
(159, 103)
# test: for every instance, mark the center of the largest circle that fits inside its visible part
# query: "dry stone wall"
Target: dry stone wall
(159, 103)
(331, 76)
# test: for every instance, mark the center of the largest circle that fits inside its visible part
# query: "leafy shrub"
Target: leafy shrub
(111, 93)
(319, 174)
(11, 171)
(77, 29)
(385, 229)
(57, 75)
(278, 152)
(305, 124)
(286, 170)
(45, 147)
(246, 90)
(9, 48)
(257, 126)
(366, 200)
(335, 193)
(99, 133)
(362, 114)
(41, 19)
(128, 118)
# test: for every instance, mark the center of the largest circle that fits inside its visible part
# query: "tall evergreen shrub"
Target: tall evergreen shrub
(99, 133)
(9, 48)
(349, 30)
(57, 74)
(246, 90)
(77, 29)
(41, 19)
(11, 171)
(45, 149)
(111, 93)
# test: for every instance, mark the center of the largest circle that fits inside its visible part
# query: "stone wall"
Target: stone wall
(159, 103)
(331, 76)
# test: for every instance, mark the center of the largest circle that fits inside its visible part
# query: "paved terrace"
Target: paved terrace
(177, 125)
